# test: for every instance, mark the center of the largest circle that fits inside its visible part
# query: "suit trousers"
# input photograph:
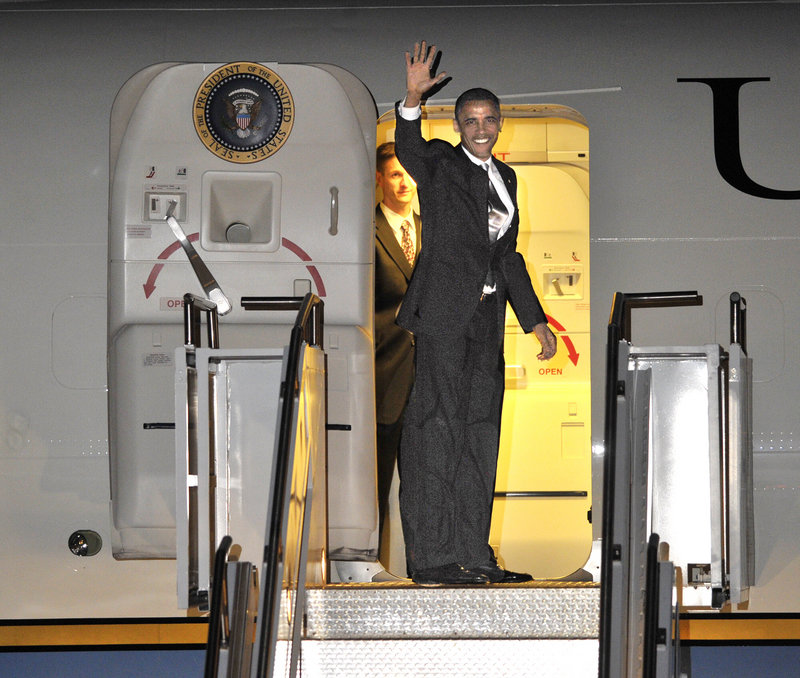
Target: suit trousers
(449, 446)
(388, 439)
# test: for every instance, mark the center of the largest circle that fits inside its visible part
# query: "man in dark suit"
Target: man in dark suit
(455, 306)
(397, 243)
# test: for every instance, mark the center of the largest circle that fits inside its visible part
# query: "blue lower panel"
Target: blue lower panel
(714, 661)
(745, 661)
(168, 663)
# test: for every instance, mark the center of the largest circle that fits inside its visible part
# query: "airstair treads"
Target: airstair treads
(401, 611)
(449, 658)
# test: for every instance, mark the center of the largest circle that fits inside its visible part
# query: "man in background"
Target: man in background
(397, 242)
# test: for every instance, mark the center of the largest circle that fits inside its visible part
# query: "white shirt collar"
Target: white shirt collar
(392, 216)
(477, 160)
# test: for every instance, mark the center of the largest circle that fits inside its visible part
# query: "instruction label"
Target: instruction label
(157, 360)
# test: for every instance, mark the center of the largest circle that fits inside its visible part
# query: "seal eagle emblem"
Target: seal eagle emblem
(243, 107)
(243, 112)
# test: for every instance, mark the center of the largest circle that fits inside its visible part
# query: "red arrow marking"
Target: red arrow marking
(573, 354)
(150, 285)
(555, 323)
(300, 252)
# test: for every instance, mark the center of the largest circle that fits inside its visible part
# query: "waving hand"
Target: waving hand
(419, 69)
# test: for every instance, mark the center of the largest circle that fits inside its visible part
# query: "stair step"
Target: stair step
(463, 658)
(394, 611)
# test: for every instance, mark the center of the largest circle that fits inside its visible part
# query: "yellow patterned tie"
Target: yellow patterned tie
(407, 244)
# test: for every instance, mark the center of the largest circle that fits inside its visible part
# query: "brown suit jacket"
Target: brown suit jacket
(394, 349)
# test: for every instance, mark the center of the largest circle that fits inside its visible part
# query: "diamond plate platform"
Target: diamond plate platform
(539, 610)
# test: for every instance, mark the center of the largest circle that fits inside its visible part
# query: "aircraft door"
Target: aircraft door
(274, 193)
(541, 520)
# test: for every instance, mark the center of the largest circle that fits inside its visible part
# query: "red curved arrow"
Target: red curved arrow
(573, 354)
(312, 270)
(150, 285)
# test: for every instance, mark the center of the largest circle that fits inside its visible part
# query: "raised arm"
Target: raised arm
(419, 78)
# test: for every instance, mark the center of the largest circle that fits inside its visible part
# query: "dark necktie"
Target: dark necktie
(407, 244)
(496, 208)
(497, 217)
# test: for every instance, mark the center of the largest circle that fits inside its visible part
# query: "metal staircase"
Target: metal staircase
(298, 625)
(285, 624)
(400, 630)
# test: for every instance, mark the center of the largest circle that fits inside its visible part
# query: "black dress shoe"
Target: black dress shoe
(497, 575)
(451, 574)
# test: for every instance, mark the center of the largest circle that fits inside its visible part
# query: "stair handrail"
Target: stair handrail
(217, 621)
(307, 329)
(193, 306)
(738, 307)
(651, 601)
(619, 329)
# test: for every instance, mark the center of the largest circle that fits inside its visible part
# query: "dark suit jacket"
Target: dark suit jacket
(456, 255)
(394, 349)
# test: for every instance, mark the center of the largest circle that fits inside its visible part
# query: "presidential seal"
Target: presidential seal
(243, 112)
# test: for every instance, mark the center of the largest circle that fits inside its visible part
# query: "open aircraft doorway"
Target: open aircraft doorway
(542, 508)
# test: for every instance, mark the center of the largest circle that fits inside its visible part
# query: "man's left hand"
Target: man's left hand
(547, 339)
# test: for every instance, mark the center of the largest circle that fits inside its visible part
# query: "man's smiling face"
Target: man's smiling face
(479, 124)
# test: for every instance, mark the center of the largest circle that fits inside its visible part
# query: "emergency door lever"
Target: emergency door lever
(207, 281)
